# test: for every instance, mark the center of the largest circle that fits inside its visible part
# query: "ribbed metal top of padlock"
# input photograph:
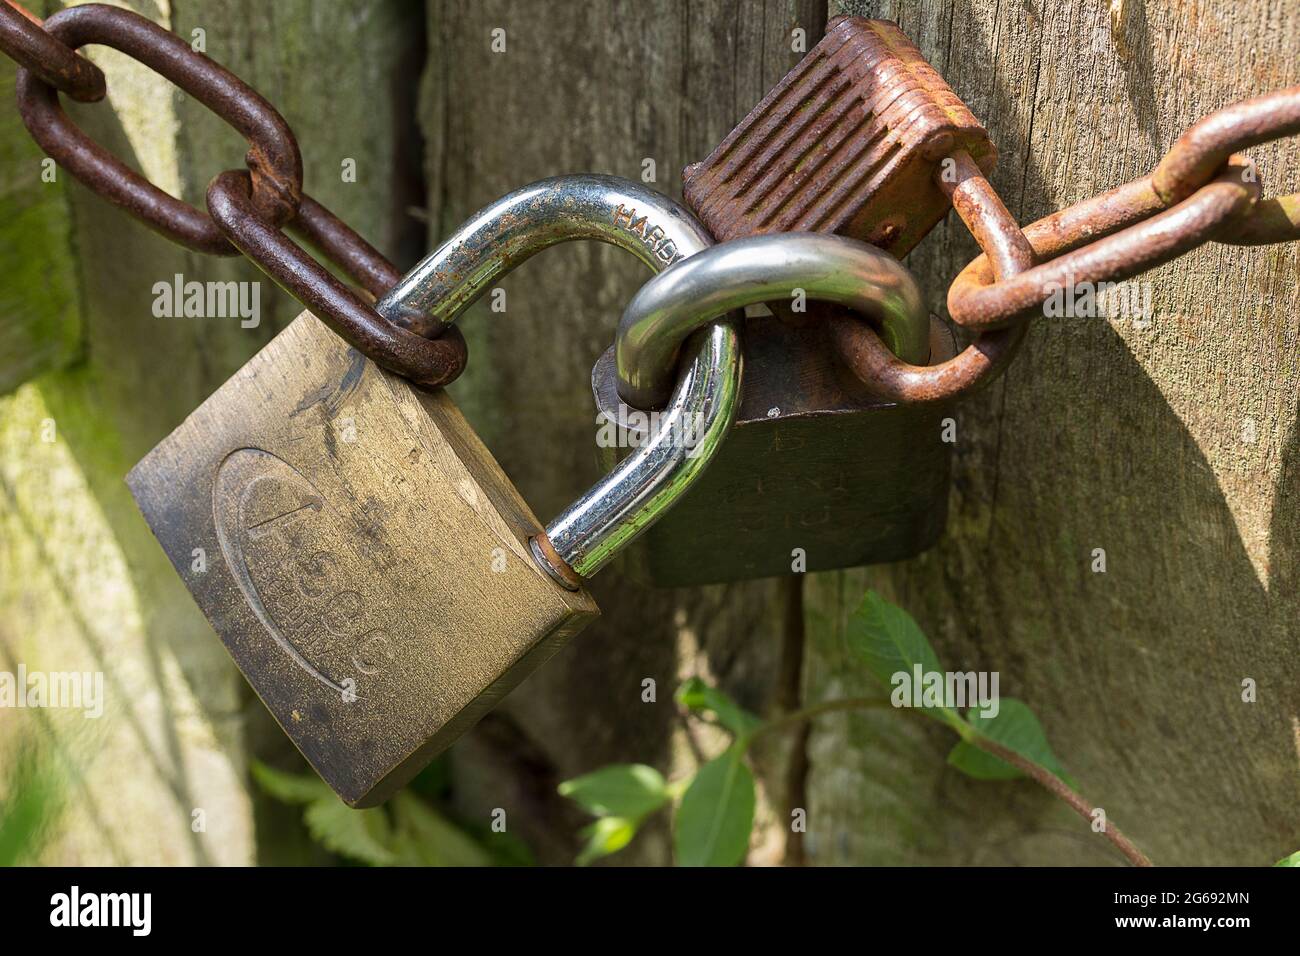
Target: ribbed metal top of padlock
(848, 143)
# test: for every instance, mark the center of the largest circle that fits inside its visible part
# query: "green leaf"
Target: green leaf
(289, 787)
(890, 642)
(716, 813)
(358, 834)
(1016, 728)
(607, 835)
(424, 837)
(1292, 860)
(699, 696)
(621, 790)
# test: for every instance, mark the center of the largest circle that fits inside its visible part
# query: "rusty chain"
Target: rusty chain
(1200, 191)
(248, 208)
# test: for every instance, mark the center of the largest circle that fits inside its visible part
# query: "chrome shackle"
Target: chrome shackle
(702, 403)
(766, 268)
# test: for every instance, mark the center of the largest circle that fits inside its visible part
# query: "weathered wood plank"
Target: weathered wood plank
(38, 332)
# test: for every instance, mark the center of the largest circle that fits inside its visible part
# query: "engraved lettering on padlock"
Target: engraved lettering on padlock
(815, 518)
(654, 237)
(266, 512)
(314, 573)
(374, 652)
(828, 484)
(784, 441)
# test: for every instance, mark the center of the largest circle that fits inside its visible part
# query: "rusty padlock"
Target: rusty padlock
(817, 473)
(372, 571)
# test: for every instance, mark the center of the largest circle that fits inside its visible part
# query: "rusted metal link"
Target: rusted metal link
(24, 40)
(997, 233)
(1190, 198)
(979, 302)
(1272, 220)
(273, 156)
(360, 261)
(342, 245)
(428, 362)
(1201, 152)
(986, 216)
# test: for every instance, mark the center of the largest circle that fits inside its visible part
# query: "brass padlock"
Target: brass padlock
(370, 568)
(817, 473)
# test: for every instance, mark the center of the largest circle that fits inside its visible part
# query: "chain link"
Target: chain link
(1199, 192)
(427, 362)
(24, 39)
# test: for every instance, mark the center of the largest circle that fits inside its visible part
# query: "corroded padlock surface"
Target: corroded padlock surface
(848, 142)
(813, 462)
(367, 561)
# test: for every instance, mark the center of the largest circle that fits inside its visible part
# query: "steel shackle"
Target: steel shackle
(660, 233)
(764, 268)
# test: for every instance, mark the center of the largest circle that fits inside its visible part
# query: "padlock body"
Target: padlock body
(365, 559)
(815, 474)
(848, 142)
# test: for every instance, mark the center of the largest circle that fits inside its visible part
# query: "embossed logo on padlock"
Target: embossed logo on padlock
(280, 540)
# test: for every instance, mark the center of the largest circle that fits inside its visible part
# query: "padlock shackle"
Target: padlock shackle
(503, 235)
(755, 269)
(660, 233)
(647, 482)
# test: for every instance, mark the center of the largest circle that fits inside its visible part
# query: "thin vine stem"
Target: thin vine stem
(796, 717)
(1035, 771)
(1055, 785)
